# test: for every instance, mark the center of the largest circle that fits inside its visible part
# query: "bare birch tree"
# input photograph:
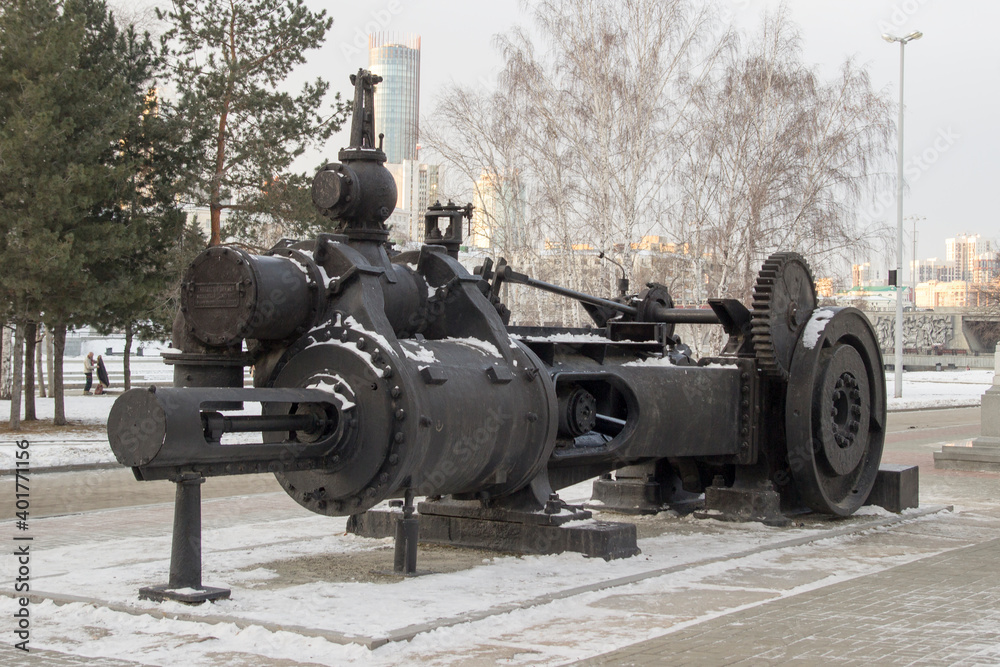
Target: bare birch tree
(592, 121)
(783, 160)
(643, 117)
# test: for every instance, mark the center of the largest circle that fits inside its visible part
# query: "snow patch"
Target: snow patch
(814, 328)
(414, 351)
(487, 348)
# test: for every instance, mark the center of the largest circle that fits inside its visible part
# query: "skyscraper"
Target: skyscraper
(416, 188)
(961, 253)
(396, 58)
(498, 216)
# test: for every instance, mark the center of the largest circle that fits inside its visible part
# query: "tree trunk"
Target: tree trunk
(39, 361)
(30, 343)
(3, 360)
(6, 371)
(15, 395)
(48, 359)
(58, 391)
(126, 360)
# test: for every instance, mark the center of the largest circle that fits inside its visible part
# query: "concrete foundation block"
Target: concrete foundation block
(751, 503)
(631, 496)
(897, 487)
(990, 413)
(982, 455)
(597, 539)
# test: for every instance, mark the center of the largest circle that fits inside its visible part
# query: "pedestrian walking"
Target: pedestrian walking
(88, 372)
(103, 381)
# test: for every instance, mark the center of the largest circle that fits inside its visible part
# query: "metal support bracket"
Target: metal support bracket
(184, 583)
(405, 561)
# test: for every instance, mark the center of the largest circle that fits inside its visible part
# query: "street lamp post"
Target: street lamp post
(916, 34)
(913, 263)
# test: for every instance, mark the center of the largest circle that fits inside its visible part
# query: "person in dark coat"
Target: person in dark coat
(103, 381)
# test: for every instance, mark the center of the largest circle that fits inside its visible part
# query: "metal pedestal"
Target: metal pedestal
(184, 584)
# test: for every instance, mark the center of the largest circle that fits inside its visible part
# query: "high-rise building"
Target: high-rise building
(498, 216)
(961, 253)
(396, 58)
(863, 275)
(416, 188)
(986, 267)
(931, 269)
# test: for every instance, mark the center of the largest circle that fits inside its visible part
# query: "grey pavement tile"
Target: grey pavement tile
(45, 658)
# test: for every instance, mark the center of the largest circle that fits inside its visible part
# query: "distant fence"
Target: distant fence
(929, 362)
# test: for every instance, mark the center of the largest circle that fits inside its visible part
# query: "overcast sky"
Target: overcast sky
(952, 77)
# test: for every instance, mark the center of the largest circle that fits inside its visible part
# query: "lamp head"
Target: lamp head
(889, 38)
(916, 34)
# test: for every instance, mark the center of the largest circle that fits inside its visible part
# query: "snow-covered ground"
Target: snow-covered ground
(85, 441)
(279, 612)
(298, 597)
(938, 389)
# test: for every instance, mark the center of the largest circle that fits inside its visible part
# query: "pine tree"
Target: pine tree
(64, 107)
(145, 248)
(231, 58)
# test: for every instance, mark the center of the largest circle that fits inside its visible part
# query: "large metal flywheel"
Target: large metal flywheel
(835, 410)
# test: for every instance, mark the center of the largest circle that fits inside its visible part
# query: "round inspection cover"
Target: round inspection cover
(137, 427)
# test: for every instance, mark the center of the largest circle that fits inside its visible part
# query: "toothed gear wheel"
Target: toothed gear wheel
(783, 299)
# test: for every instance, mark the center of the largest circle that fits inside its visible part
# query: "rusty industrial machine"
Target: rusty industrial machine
(393, 376)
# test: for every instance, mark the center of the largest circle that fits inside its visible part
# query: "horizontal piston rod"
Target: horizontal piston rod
(659, 313)
(216, 422)
(163, 432)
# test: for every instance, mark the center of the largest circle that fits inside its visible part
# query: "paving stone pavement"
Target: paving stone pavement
(42, 658)
(941, 610)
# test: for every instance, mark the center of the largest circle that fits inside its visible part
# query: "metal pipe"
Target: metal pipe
(219, 423)
(609, 425)
(685, 316)
(513, 277)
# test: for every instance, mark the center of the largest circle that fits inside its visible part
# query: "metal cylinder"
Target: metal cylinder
(228, 295)
(166, 432)
(449, 417)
